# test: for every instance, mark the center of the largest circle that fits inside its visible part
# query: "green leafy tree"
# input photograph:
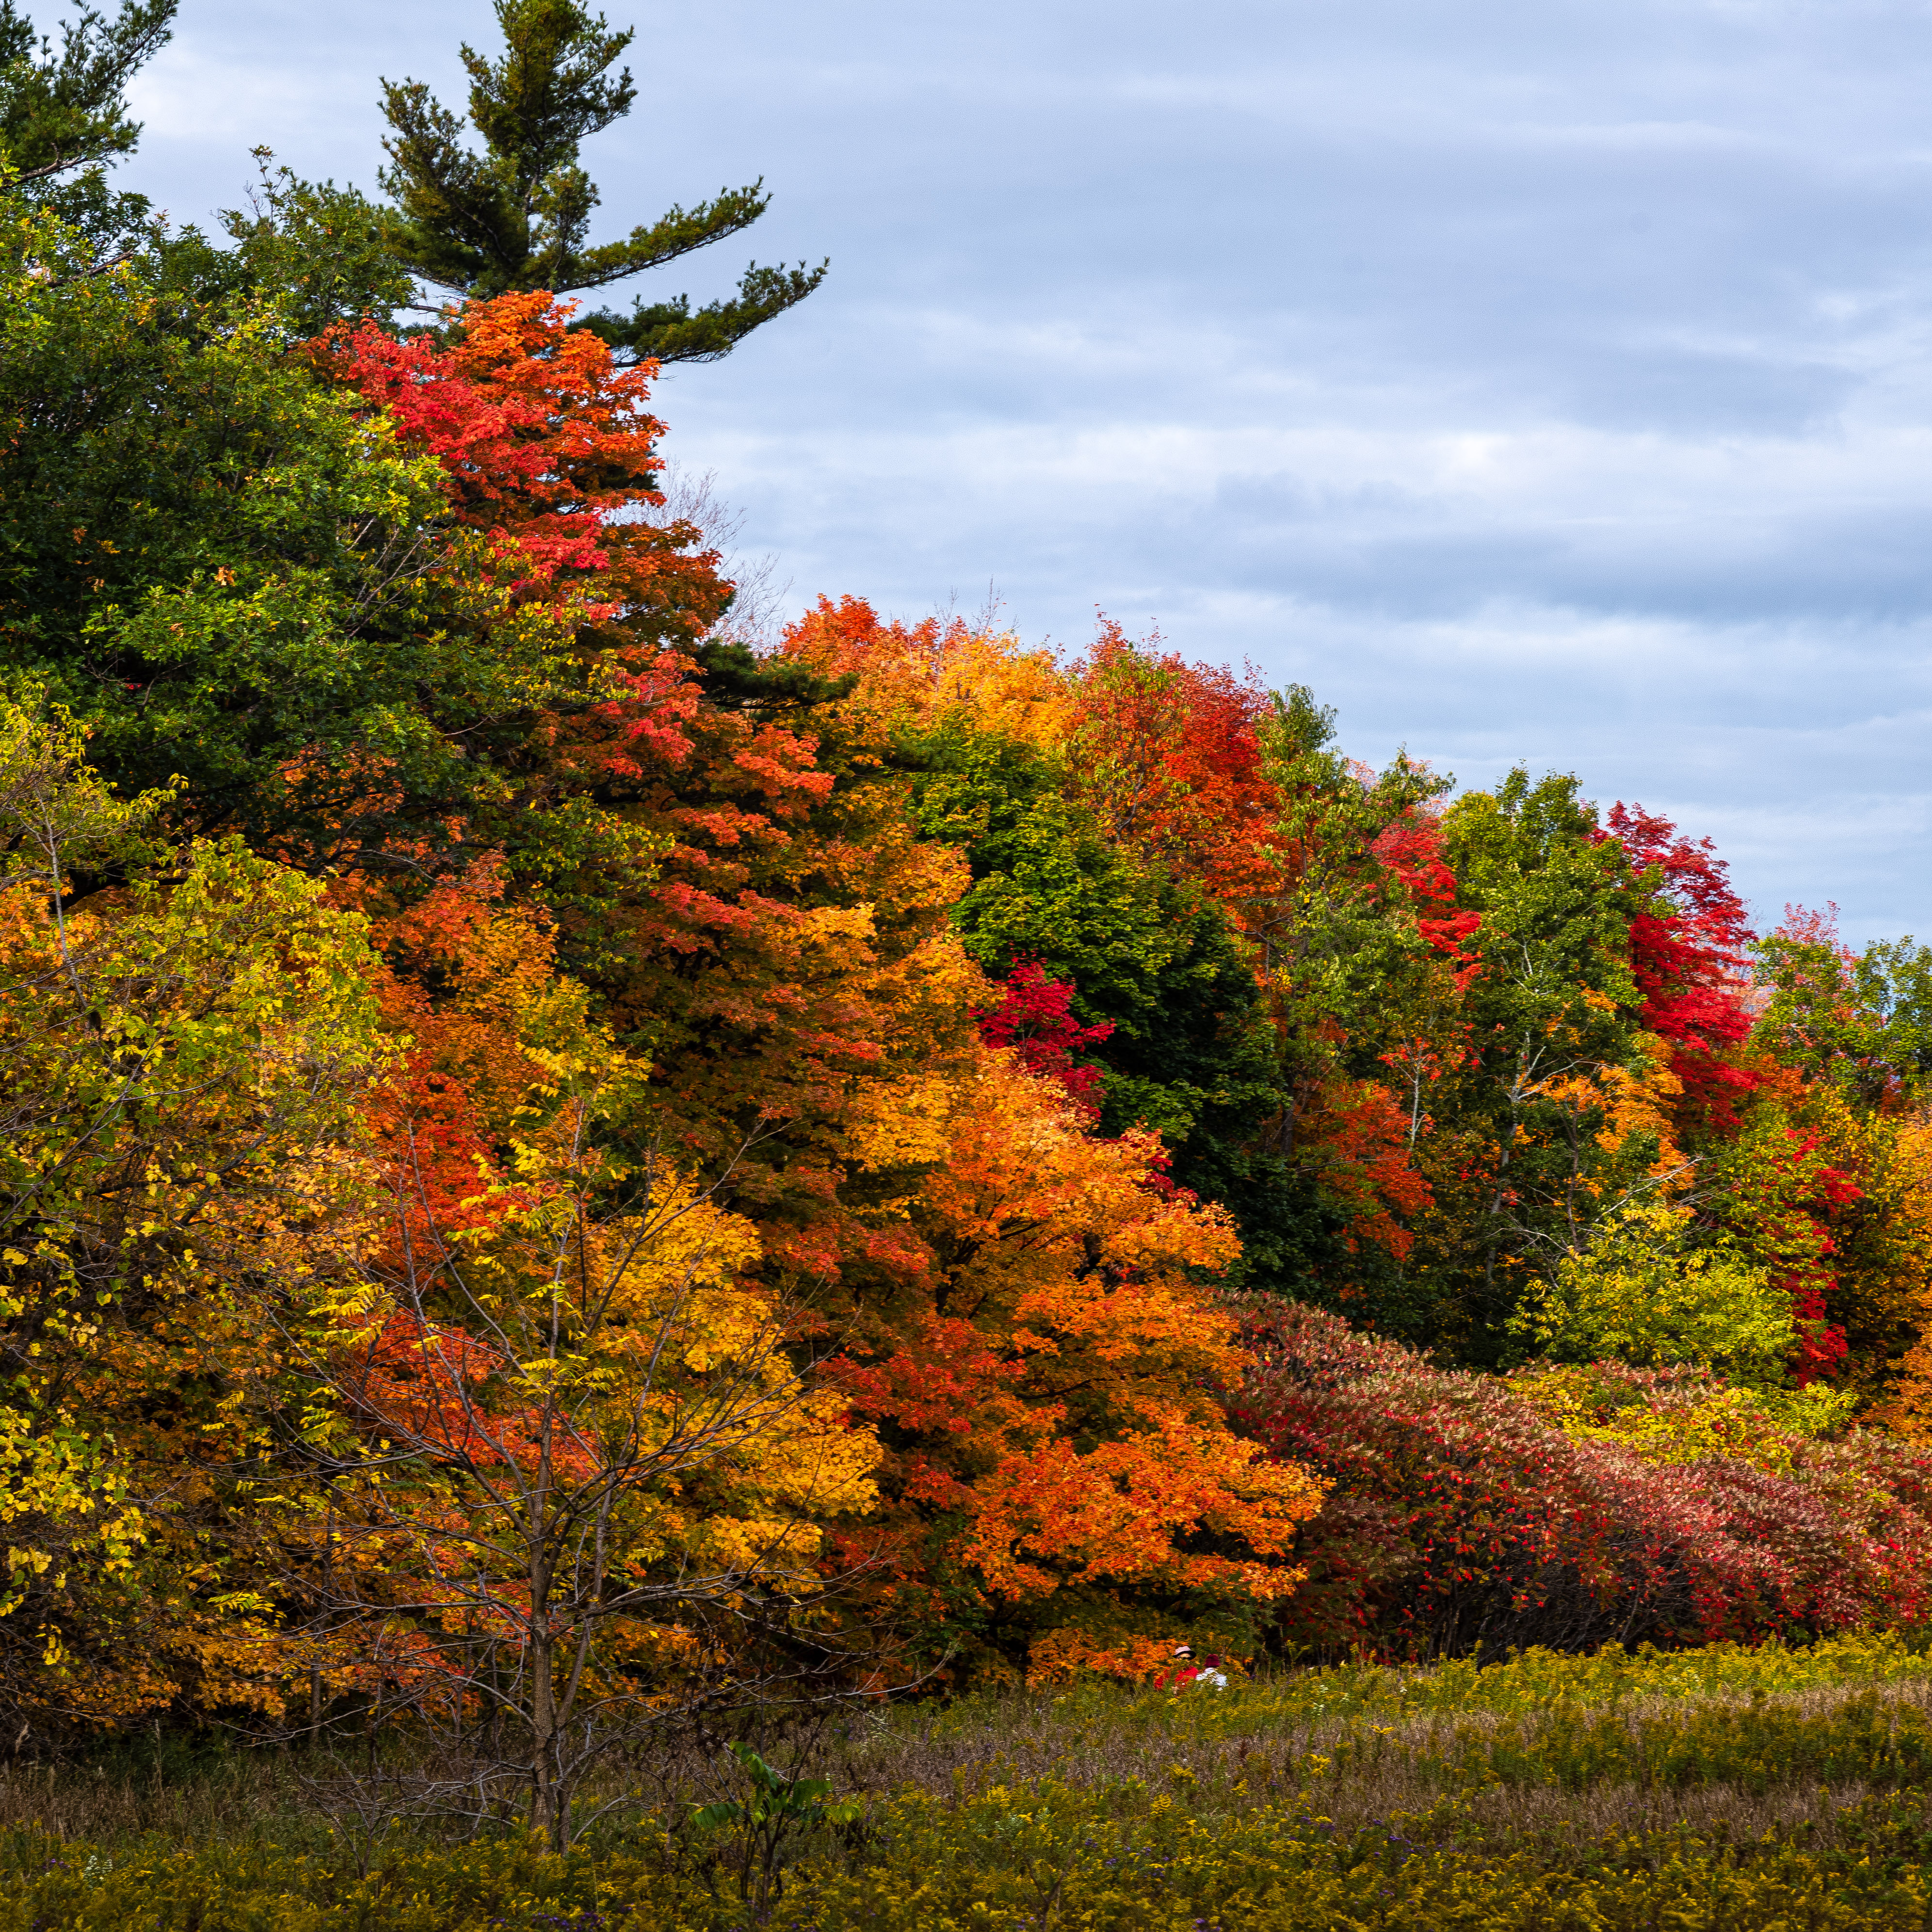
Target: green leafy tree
(1643, 1291)
(1861, 1022)
(217, 563)
(1360, 994)
(319, 253)
(1527, 1150)
(1191, 1054)
(517, 215)
(1340, 945)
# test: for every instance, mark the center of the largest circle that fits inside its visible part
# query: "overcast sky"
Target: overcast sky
(1548, 382)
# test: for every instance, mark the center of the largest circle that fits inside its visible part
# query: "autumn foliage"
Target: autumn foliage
(1688, 957)
(629, 1165)
(1574, 1508)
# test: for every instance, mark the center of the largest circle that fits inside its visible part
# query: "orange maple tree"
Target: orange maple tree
(1039, 1359)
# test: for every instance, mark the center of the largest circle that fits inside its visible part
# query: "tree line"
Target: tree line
(566, 1171)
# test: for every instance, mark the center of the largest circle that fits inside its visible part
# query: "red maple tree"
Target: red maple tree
(1688, 957)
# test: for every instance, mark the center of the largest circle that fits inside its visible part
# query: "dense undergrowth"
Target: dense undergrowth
(1723, 1787)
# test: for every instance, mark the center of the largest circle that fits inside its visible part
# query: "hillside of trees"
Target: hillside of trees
(566, 1169)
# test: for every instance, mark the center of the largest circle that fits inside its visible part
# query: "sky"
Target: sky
(1546, 382)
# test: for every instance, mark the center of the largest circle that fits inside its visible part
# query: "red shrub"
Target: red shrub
(1462, 1521)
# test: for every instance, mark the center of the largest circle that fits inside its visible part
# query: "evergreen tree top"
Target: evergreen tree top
(64, 116)
(517, 216)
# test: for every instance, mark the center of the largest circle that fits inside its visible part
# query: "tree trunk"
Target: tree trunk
(549, 1809)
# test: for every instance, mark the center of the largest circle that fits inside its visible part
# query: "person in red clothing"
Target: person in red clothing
(1210, 1674)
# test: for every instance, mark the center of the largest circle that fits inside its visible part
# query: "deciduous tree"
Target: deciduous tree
(183, 1063)
(577, 1484)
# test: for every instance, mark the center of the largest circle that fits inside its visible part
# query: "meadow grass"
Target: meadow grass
(1720, 1788)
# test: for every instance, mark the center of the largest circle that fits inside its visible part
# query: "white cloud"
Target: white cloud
(1537, 378)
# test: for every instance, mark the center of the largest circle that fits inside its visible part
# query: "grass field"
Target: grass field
(1752, 1789)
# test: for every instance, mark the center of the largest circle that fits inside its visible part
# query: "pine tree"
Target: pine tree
(517, 217)
(63, 118)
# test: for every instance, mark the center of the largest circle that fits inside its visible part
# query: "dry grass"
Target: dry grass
(1345, 1746)
(1378, 1767)
(233, 1797)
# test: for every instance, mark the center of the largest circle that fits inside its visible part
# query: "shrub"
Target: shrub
(1472, 1514)
(251, 1888)
(1639, 1293)
(1110, 1858)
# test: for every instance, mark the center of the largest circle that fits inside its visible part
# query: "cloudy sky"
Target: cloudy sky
(1538, 380)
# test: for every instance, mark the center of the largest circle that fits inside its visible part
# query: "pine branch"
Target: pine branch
(673, 331)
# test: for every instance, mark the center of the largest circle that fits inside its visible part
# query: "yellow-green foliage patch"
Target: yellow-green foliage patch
(1048, 1855)
(1750, 1790)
